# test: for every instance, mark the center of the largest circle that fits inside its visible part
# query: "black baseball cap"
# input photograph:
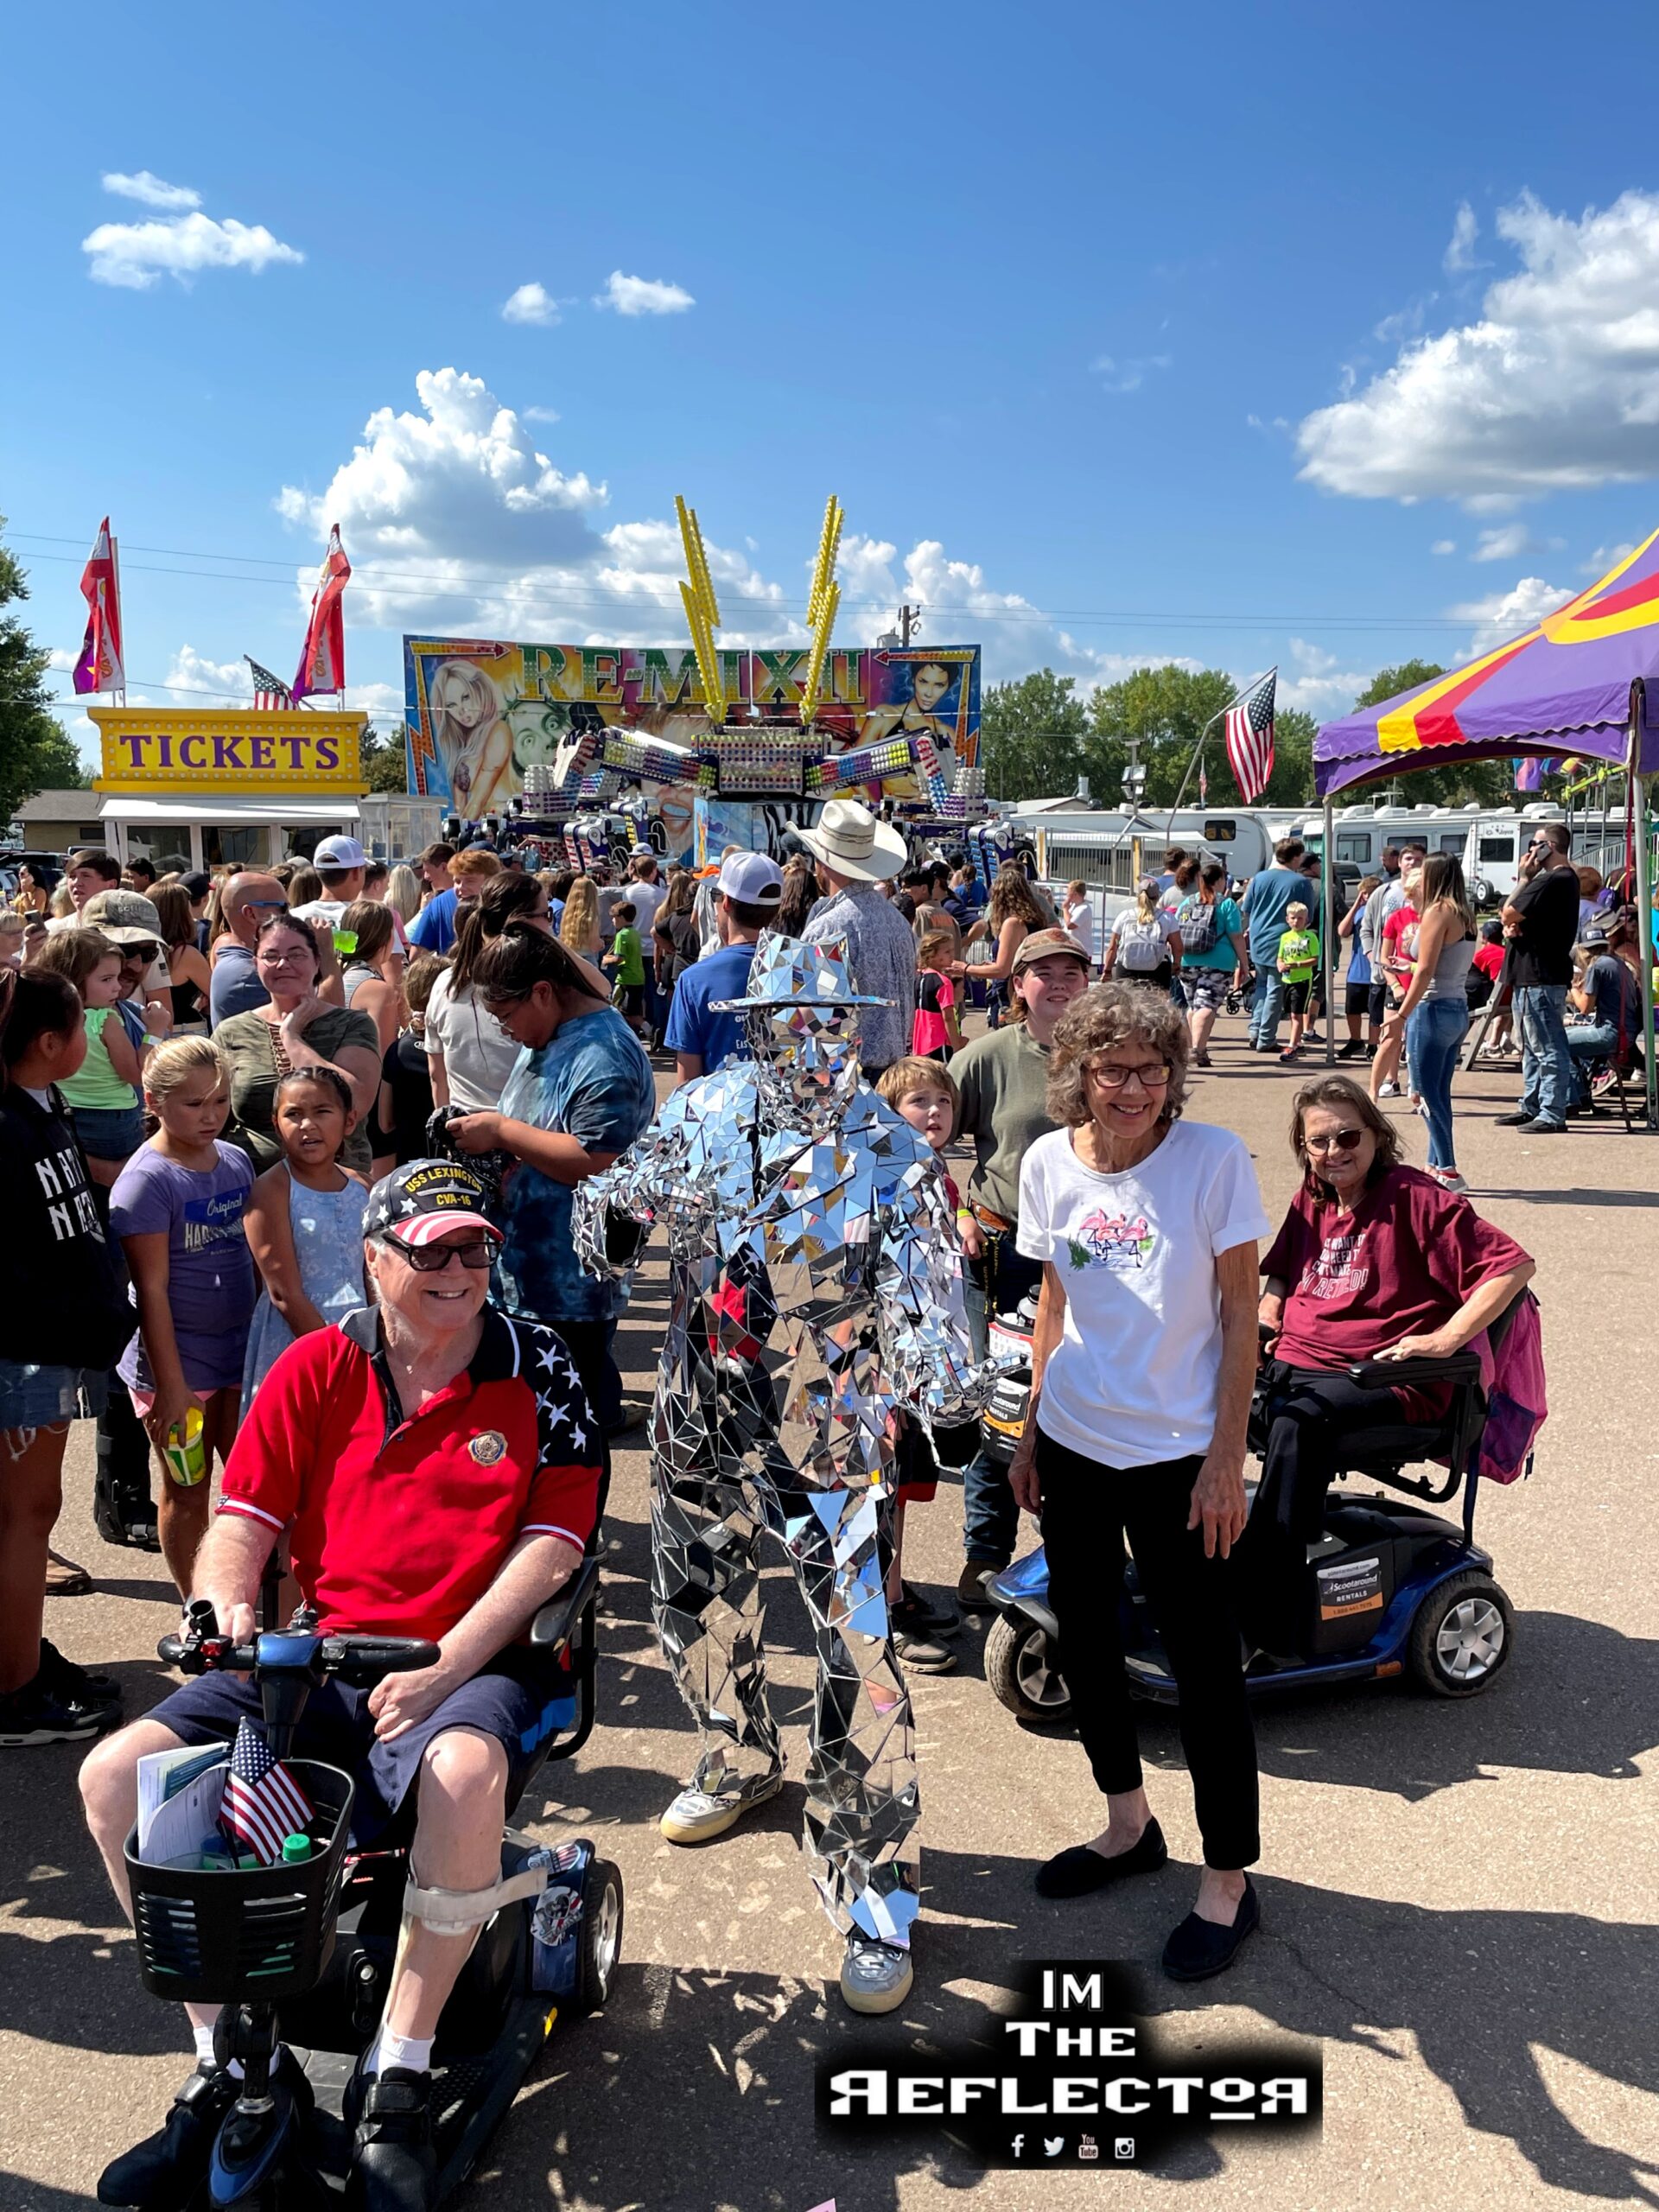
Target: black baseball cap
(425, 1199)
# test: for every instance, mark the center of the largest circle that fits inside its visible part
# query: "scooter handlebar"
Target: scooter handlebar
(361, 1659)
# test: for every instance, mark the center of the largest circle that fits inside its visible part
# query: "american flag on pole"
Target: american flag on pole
(262, 1802)
(270, 692)
(1248, 731)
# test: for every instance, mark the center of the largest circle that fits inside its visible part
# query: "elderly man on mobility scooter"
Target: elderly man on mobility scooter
(438, 1471)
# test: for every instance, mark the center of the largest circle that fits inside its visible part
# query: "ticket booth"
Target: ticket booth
(235, 787)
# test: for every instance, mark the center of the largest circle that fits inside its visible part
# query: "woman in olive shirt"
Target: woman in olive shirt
(295, 1029)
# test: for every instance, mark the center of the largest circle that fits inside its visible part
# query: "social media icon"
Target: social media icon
(1088, 2148)
(1052, 2145)
(1123, 2147)
(1017, 2145)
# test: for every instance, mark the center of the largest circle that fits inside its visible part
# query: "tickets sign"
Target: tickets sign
(245, 749)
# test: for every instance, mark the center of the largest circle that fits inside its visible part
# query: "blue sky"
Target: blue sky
(1120, 334)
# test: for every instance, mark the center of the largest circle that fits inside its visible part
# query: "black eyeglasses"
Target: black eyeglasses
(1338, 1141)
(432, 1259)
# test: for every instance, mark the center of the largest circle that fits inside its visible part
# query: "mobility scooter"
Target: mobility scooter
(302, 1953)
(1389, 1589)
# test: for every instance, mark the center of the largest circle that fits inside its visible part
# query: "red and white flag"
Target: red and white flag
(1248, 730)
(101, 667)
(322, 663)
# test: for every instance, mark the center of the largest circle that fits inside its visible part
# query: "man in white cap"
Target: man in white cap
(854, 852)
(747, 894)
(341, 863)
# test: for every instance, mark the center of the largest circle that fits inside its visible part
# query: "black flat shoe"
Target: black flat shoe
(1078, 1872)
(1199, 1949)
(168, 2167)
(394, 2165)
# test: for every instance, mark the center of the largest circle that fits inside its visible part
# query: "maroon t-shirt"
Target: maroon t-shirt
(1401, 1265)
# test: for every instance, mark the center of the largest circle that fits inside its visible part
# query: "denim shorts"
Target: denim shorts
(109, 1132)
(37, 1397)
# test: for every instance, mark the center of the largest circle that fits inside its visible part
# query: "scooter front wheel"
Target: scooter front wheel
(1021, 1668)
(599, 1939)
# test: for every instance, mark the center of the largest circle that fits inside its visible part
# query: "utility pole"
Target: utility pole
(910, 620)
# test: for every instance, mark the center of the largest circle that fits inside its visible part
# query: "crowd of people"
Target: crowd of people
(295, 1157)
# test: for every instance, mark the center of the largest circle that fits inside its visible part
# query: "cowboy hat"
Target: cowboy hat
(849, 839)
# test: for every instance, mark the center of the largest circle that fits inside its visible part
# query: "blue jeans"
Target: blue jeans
(999, 1279)
(1589, 1042)
(1266, 1002)
(1546, 1063)
(1433, 1036)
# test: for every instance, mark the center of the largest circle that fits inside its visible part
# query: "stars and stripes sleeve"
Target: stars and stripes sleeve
(563, 1497)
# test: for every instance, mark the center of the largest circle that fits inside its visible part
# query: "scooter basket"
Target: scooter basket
(215, 1937)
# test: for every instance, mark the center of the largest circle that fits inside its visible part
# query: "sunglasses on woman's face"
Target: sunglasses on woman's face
(432, 1259)
(1338, 1141)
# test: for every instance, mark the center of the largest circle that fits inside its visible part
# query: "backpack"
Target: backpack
(1142, 946)
(1516, 1406)
(1197, 924)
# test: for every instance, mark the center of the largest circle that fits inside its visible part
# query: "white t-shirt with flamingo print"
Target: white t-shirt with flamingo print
(1134, 1379)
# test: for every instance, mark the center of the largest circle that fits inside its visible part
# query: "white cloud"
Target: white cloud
(1319, 684)
(1120, 377)
(1443, 545)
(1460, 250)
(643, 296)
(191, 675)
(539, 414)
(1507, 543)
(1508, 614)
(1556, 386)
(134, 255)
(531, 303)
(145, 186)
(1607, 558)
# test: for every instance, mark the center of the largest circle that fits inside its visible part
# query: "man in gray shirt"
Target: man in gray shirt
(854, 852)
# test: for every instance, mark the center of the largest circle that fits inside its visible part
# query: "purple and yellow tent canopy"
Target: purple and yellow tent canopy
(1567, 686)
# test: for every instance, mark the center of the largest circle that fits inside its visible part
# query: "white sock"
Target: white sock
(389, 2049)
(204, 2036)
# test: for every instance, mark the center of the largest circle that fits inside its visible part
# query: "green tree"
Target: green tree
(1165, 708)
(1031, 736)
(1490, 782)
(383, 760)
(34, 754)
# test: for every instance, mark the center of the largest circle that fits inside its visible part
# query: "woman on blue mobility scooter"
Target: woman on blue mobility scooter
(438, 1472)
(1377, 1260)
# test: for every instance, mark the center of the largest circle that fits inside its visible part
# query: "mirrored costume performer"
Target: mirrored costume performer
(817, 1297)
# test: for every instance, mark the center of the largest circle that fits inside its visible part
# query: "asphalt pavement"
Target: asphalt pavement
(1460, 1902)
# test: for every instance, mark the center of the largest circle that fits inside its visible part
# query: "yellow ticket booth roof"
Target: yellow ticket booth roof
(233, 749)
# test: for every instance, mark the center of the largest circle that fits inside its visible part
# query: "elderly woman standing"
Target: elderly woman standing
(1142, 1364)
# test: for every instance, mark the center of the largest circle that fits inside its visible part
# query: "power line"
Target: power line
(413, 584)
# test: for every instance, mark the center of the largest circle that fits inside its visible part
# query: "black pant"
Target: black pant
(1087, 1509)
(1311, 1413)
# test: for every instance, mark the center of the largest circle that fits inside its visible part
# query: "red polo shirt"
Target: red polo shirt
(400, 1526)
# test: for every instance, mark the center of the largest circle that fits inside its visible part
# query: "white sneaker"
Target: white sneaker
(1387, 1091)
(696, 1817)
(1449, 1179)
(874, 1977)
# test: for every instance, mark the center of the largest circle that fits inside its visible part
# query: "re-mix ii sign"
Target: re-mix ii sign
(241, 749)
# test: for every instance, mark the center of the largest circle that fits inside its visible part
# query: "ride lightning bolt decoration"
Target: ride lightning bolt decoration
(702, 613)
(822, 601)
(817, 1290)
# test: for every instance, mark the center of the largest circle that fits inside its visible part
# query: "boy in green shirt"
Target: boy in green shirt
(1298, 962)
(626, 961)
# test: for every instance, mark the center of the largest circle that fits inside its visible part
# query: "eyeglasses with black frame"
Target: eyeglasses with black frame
(1156, 1075)
(477, 1253)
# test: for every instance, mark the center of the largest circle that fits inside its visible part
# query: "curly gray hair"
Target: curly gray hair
(1109, 1014)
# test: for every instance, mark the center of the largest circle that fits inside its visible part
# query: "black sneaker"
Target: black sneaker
(923, 1655)
(167, 2168)
(72, 1681)
(1514, 1120)
(1350, 1051)
(394, 2165)
(44, 1712)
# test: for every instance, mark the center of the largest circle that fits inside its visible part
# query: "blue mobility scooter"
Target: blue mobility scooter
(302, 1954)
(1389, 1589)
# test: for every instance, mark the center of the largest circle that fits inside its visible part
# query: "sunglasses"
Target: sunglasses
(432, 1259)
(1338, 1141)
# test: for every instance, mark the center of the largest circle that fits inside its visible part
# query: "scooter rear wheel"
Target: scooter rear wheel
(1021, 1668)
(1462, 1635)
